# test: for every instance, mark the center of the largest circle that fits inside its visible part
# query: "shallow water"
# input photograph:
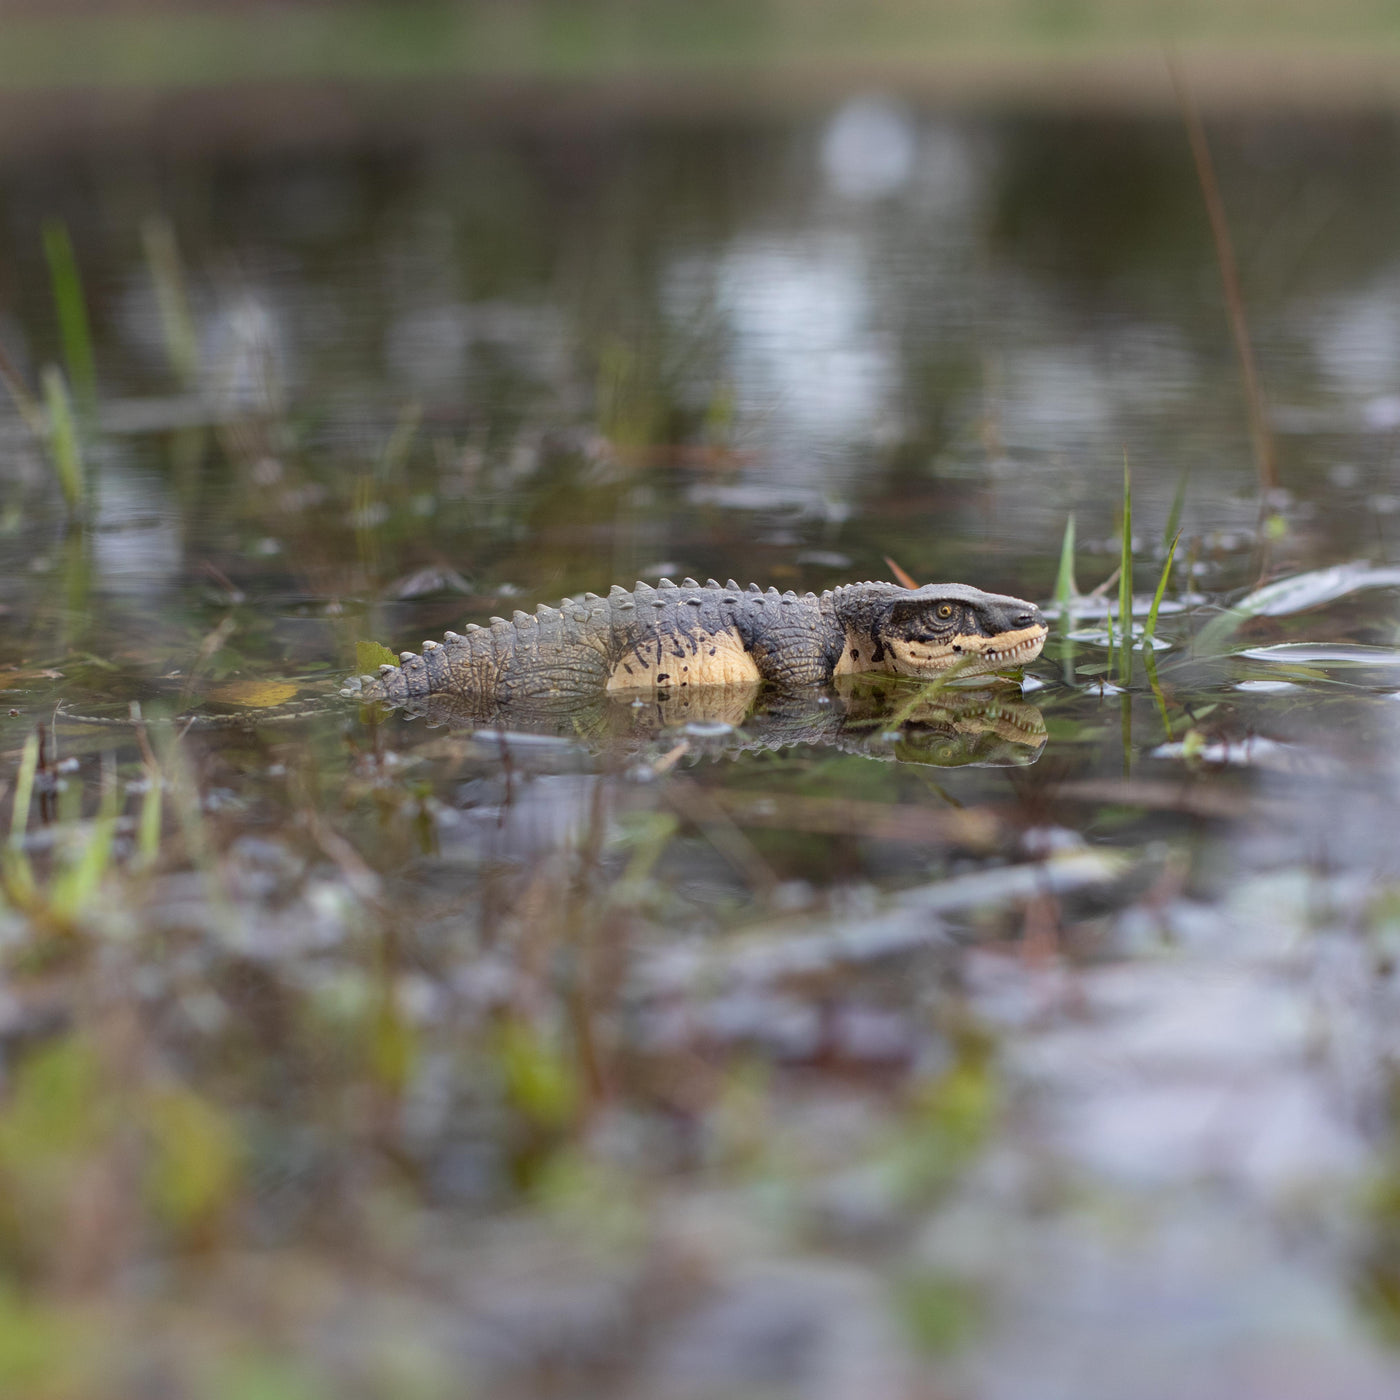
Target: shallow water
(982, 1042)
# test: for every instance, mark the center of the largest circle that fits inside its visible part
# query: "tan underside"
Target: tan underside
(717, 659)
(970, 654)
(703, 704)
(855, 656)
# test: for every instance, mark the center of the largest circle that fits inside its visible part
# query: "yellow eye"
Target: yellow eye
(946, 610)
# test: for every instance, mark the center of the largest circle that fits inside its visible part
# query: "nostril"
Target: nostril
(1026, 619)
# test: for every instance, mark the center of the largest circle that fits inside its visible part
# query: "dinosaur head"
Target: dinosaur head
(931, 631)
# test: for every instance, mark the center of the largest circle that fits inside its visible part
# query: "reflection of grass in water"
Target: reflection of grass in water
(65, 451)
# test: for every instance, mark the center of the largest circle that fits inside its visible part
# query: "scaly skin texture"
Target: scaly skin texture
(675, 637)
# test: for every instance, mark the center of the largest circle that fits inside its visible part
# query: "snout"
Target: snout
(1021, 617)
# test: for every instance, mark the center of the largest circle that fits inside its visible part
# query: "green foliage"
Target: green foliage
(24, 789)
(1125, 582)
(195, 1150)
(172, 300)
(65, 448)
(370, 656)
(1149, 629)
(1065, 588)
(940, 1313)
(1173, 529)
(148, 825)
(71, 305)
(53, 1113)
(949, 1118)
(539, 1081)
(261, 1376)
(45, 1351)
(393, 1045)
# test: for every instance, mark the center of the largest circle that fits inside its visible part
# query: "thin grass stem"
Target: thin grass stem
(1065, 588)
(172, 300)
(24, 789)
(71, 306)
(1149, 628)
(1173, 529)
(1265, 461)
(65, 450)
(1125, 580)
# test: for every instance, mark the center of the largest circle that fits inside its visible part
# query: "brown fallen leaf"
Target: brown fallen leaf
(900, 577)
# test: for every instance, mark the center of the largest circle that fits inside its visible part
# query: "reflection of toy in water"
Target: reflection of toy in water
(952, 727)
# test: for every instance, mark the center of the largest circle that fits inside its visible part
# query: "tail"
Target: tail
(414, 677)
(388, 687)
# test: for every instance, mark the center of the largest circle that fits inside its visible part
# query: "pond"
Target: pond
(1031, 1037)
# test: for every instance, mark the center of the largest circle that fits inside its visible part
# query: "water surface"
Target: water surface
(994, 1043)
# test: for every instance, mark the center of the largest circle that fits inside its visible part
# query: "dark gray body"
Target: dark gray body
(679, 636)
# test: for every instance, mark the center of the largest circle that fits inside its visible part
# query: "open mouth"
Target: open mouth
(1007, 649)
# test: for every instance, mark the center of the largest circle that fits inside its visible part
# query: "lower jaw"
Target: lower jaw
(979, 664)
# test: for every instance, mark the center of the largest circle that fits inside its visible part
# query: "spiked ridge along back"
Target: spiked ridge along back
(674, 636)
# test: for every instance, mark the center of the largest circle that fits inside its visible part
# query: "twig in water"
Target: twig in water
(1106, 584)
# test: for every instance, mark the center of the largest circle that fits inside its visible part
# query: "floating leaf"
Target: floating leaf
(1311, 590)
(257, 695)
(1287, 596)
(370, 656)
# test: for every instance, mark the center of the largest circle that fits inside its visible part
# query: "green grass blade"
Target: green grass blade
(148, 823)
(1065, 587)
(1178, 503)
(24, 789)
(65, 451)
(1150, 665)
(1125, 578)
(172, 300)
(1150, 626)
(77, 886)
(72, 312)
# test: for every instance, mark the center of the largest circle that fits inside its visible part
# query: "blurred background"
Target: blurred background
(1031, 1044)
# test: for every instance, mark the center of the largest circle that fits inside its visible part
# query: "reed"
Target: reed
(167, 271)
(1149, 628)
(64, 444)
(1066, 590)
(1125, 581)
(71, 305)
